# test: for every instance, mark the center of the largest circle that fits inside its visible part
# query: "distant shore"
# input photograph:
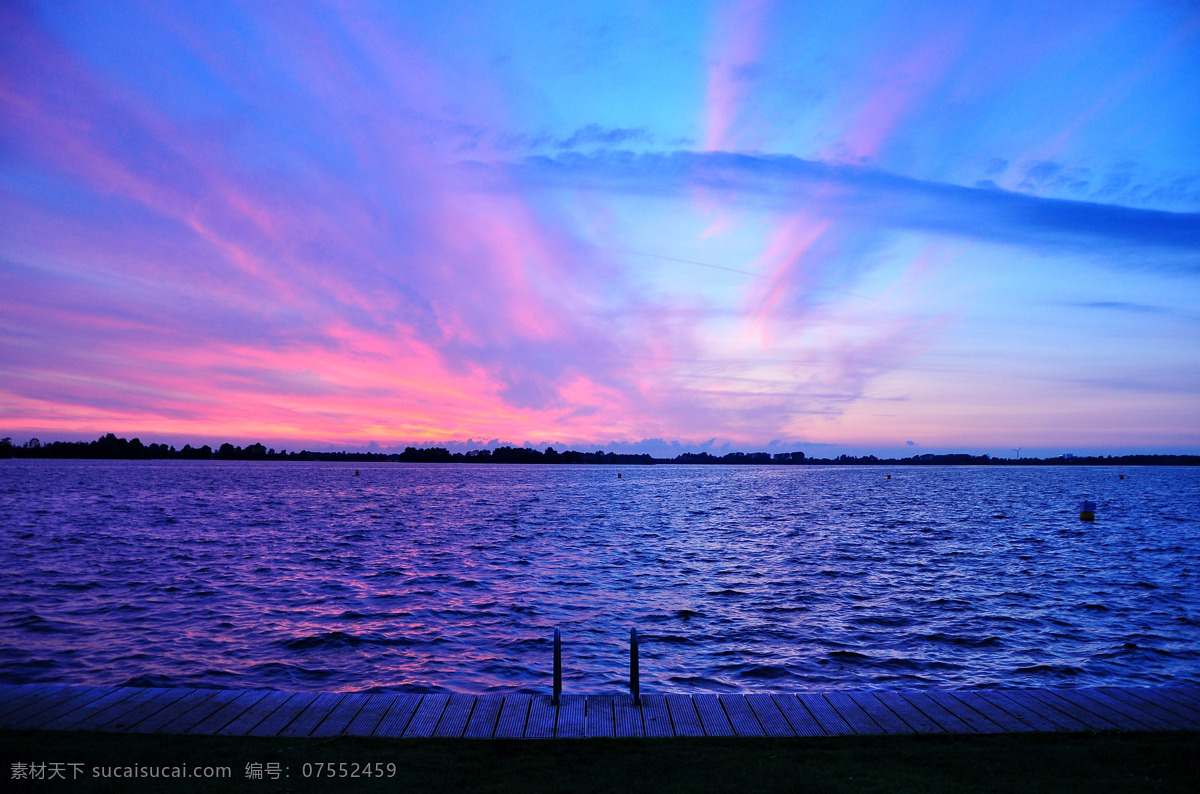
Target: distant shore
(110, 447)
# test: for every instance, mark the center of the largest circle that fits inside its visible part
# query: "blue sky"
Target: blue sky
(837, 227)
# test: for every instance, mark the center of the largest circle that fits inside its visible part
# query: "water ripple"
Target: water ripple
(452, 578)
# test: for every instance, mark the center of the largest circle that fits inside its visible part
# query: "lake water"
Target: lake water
(304, 576)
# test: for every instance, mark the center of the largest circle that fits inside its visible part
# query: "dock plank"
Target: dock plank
(1189, 686)
(398, 715)
(482, 723)
(1117, 718)
(572, 717)
(542, 716)
(802, 722)
(1182, 693)
(769, 716)
(909, 714)
(852, 713)
(342, 715)
(9, 692)
(72, 718)
(878, 711)
(139, 697)
(627, 718)
(1189, 715)
(827, 716)
(307, 721)
(18, 697)
(1035, 715)
(712, 715)
(267, 713)
(426, 717)
(964, 713)
(741, 716)
(940, 715)
(1134, 713)
(514, 713)
(229, 712)
(453, 721)
(55, 699)
(1092, 721)
(1186, 713)
(38, 716)
(1157, 710)
(656, 716)
(199, 712)
(51, 689)
(600, 720)
(1050, 710)
(283, 715)
(993, 712)
(684, 718)
(1177, 696)
(151, 704)
(251, 717)
(370, 715)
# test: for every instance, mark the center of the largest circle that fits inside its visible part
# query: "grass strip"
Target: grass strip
(1111, 762)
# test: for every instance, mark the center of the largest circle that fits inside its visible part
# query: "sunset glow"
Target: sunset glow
(867, 228)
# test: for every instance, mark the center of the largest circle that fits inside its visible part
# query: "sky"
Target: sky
(882, 228)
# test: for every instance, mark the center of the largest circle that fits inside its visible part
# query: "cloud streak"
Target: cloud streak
(739, 32)
(872, 196)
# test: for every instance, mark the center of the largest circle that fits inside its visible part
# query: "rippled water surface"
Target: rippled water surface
(453, 578)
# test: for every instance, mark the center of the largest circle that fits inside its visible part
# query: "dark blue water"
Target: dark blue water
(453, 578)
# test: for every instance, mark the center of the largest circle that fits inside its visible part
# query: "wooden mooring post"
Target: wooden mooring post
(635, 687)
(557, 666)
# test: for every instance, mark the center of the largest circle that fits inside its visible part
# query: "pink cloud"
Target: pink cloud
(738, 42)
(417, 335)
(783, 262)
(899, 87)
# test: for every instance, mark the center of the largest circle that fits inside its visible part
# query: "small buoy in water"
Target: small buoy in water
(356, 474)
(889, 476)
(1087, 511)
(1122, 476)
(618, 475)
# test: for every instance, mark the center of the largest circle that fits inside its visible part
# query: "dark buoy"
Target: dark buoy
(1087, 511)
(1122, 476)
(889, 476)
(356, 474)
(618, 475)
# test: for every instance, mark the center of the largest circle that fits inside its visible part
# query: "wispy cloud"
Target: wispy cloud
(594, 134)
(737, 39)
(873, 196)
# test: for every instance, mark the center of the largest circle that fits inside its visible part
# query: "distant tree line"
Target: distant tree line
(112, 448)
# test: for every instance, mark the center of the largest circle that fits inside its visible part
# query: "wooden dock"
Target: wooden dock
(243, 712)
